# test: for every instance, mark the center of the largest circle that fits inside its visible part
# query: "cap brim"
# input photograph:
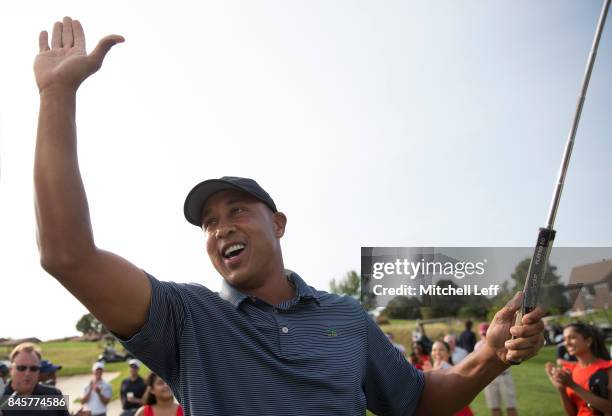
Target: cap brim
(197, 197)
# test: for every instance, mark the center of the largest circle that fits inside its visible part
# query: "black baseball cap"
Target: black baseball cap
(47, 366)
(197, 197)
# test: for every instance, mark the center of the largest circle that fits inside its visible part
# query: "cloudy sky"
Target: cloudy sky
(396, 123)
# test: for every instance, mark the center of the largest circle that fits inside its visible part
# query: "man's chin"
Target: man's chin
(238, 279)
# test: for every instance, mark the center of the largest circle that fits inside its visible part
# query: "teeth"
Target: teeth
(232, 248)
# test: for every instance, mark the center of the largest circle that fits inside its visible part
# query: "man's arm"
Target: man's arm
(86, 394)
(461, 383)
(104, 393)
(114, 290)
(122, 393)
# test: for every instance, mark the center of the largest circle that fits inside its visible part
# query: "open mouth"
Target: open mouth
(234, 250)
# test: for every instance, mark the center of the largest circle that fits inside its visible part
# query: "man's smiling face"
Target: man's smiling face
(242, 237)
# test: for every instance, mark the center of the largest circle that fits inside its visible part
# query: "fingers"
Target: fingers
(506, 314)
(79, 35)
(527, 330)
(534, 316)
(67, 34)
(549, 368)
(43, 41)
(523, 348)
(67, 38)
(56, 38)
(525, 342)
(98, 54)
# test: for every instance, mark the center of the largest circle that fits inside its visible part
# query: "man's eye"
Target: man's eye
(209, 223)
(237, 210)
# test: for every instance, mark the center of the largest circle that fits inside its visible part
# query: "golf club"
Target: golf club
(546, 235)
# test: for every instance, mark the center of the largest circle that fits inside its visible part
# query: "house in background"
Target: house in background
(596, 281)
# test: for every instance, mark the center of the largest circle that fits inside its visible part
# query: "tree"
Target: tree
(88, 324)
(442, 306)
(403, 307)
(551, 290)
(349, 285)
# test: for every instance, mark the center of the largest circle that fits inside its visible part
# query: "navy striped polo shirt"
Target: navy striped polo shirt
(230, 354)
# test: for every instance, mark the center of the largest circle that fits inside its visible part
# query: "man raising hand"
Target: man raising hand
(266, 344)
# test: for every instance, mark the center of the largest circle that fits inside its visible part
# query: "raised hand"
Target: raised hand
(66, 63)
(551, 371)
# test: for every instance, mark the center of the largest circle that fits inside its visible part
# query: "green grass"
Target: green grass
(534, 393)
(74, 357)
(77, 358)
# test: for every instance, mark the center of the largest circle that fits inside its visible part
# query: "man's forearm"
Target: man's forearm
(103, 398)
(459, 385)
(64, 228)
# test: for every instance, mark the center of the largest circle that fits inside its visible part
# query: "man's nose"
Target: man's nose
(224, 230)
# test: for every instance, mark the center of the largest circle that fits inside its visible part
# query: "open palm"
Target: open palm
(66, 63)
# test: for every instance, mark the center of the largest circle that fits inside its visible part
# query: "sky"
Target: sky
(396, 124)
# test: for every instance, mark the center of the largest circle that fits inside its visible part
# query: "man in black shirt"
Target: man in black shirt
(467, 339)
(132, 390)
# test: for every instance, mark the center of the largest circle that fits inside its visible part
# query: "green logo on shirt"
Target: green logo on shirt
(332, 332)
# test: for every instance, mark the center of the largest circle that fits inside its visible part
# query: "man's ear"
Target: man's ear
(279, 220)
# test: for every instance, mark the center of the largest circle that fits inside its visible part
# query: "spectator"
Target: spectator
(584, 386)
(457, 353)
(48, 373)
(467, 338)
(562, 355)
(132, 390)
(419, 335)
(158, 399)
(419, 357)
(4, 371)
(97, 393)
(501, 390)
(25, 367)
(442, 360)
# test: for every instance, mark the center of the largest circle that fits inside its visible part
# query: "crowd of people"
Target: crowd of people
(27, 374)
(582, 373)
(428, 355)
(584, 381)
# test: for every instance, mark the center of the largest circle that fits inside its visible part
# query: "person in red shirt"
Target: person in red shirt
(573, 380)
(441, 357)
(419, 356)
(158, 399)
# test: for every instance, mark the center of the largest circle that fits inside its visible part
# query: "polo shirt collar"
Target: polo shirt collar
(236, 297)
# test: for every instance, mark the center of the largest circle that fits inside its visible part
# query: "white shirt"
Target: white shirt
(94, 404)
(459, 354)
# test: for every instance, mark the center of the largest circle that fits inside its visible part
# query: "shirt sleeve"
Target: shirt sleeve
(156, 344)
(393, 385)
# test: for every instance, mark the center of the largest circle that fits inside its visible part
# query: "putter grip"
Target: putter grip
(535, 274)
(537, 269)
